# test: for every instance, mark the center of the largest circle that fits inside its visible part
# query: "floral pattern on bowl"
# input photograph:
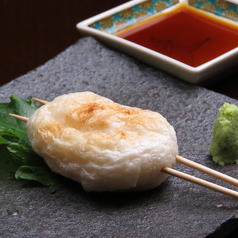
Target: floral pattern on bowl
(218, 7)
(132, 15)
(139, 12)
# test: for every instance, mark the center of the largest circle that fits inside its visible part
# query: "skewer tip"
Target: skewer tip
(25, 119)
(40, 100)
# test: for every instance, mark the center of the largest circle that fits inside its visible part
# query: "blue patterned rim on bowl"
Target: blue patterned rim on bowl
(143, 10)
(132, 15)
(218, 7)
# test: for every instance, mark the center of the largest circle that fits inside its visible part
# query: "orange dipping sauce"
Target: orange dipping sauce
(185, 35)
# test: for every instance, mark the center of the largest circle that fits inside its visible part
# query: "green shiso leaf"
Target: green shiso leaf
(40, 174)
(16, 155)
(18, 106)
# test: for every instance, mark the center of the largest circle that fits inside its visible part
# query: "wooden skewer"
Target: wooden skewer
(207, 170)
(185, 176)
(40, 100)
(25, 119)
(201, 182)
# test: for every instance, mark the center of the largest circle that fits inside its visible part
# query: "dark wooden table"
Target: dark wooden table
(32, 32)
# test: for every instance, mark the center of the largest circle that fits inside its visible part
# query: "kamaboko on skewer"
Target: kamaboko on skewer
(101, 144)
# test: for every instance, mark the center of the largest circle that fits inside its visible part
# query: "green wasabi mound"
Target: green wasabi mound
(224, 145)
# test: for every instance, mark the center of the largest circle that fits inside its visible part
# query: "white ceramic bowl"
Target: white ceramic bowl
(104, 25)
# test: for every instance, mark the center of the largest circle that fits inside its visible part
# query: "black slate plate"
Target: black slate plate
(176, 209)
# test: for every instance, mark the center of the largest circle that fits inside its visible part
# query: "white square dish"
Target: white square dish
(107, 25)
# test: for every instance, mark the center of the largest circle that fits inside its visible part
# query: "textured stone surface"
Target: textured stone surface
(176, 209)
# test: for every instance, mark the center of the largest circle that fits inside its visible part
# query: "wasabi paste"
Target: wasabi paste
(224, 145)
